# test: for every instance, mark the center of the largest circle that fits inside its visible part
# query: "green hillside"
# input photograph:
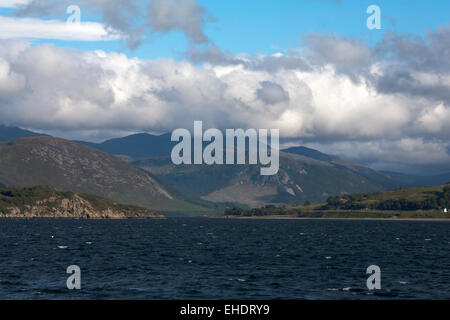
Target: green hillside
(420, 202)
(66, 165)
(419, 198)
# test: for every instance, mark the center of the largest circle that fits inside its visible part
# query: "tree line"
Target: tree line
(435, 201)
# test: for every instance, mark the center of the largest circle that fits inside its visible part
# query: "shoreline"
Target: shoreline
(319, 218)
(230, 217)
(84, 219)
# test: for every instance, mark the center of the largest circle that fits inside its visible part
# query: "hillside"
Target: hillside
(380, 178)
(419, 198)
(310, 153)
(419, 202)
(305, 174)
(391, 180)
(144, 145)
(66, 165)
(47, 202)
(299, 179)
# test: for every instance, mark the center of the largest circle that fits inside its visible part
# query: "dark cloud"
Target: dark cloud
(183, 15)
(415, 66)
(402, 81)
(214, 55)
(429, 53)
(123, 16)
(272, 93)
(348, 55)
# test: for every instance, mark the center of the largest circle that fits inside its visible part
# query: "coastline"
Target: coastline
(85, 219)
(226, 218)
(319, 218)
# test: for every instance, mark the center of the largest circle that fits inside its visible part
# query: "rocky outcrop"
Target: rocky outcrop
(68, 205)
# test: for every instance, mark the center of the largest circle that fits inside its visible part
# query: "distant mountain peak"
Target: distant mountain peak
(8, 133)
(137, 146)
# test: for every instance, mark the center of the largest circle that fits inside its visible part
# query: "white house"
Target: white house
(444, 210)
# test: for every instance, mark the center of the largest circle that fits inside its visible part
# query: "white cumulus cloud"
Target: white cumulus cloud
(82, 93)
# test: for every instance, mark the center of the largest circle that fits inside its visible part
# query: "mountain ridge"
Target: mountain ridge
(305, 175)
(299, 179)
(8, 133)
(140, 145)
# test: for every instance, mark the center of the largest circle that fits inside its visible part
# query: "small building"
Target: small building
(444, 210)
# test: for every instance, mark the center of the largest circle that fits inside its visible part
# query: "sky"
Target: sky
(311, 68)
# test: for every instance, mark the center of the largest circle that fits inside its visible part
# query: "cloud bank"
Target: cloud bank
(389, 102)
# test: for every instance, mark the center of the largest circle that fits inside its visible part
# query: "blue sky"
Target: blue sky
(269, 26)
(244, 26)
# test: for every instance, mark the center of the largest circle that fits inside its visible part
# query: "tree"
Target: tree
(235, 211)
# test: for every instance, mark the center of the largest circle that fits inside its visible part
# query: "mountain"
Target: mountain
(47, 202)
(69, 166)
(137, 146)
(391, 180)
(143, 146)
(380, 178)
(305, 174)
(408, 180)
(11, 133)
(299, 179)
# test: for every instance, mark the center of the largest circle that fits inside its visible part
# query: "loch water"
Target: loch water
(195, 258)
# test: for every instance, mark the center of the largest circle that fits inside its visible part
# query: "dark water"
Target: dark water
(224, 259)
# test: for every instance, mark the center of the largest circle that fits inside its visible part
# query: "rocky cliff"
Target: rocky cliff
(46, 202)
